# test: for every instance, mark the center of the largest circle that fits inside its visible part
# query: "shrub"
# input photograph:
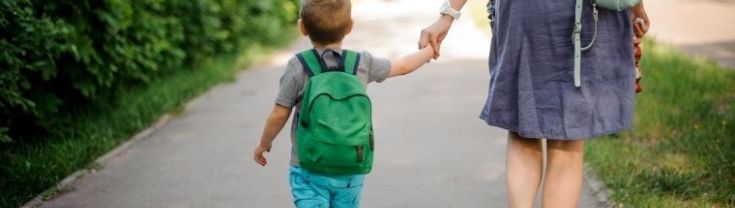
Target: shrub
(64, 56)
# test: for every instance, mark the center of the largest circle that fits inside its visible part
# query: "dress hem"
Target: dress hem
(549, 136)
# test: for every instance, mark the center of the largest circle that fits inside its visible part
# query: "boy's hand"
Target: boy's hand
(258, 156)
(276, 120)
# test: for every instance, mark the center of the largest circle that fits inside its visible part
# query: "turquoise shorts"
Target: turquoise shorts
(312, 190)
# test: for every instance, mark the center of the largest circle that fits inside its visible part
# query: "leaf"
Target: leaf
(4, 138)
(25, 84)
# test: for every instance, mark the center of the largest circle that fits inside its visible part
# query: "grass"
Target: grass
(27, 171)
(681, 152)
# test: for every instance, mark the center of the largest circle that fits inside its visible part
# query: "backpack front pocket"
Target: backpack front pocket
(339, 156)
(333, 159)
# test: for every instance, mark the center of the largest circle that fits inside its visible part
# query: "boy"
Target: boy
(326, 23)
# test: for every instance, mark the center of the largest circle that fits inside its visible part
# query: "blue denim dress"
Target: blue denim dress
(531, 88)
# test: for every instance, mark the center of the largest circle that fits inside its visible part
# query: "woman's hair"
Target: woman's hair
(326, 21)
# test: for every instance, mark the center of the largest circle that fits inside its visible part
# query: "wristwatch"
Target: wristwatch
(447, 9)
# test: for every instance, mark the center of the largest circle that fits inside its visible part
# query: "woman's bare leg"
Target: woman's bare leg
(564, 174)
(523, 161)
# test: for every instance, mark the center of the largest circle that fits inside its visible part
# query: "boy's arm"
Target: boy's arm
(411, 62)
(277, 119)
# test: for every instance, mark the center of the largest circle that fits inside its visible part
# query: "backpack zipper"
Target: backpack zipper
(359, 154)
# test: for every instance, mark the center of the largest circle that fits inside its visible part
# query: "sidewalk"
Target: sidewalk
(698, 27)
(432, 151)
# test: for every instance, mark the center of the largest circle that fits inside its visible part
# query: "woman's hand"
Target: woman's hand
(640, 28)
(435, 34)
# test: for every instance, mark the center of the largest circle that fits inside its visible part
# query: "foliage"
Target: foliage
(79, 77)
(63, 56)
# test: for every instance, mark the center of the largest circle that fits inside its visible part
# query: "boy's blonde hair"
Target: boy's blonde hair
(326, 21)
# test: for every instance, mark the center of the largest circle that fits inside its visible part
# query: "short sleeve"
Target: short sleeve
(378, 69)
(291, 83)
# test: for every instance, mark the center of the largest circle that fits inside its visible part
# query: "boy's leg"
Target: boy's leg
(348, 196)
(305, 193)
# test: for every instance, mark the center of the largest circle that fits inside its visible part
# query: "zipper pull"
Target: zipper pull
(359, 154)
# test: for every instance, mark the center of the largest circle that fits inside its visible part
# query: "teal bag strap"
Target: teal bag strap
(351, 61)
(309, 59)
(576, 37)
(617, 5)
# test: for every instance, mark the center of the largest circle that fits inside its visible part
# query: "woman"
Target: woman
(533, 96)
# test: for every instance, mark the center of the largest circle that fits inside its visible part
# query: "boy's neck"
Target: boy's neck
(335, 46)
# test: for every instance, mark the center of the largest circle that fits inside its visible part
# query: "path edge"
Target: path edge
(119, 150)
(600, 191)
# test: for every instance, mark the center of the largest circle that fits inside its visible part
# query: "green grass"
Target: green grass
(681, 152)
(27, 171)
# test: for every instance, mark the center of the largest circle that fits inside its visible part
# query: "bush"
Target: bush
(64, 56)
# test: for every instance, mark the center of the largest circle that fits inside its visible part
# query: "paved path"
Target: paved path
(698, 27)
(432, 151)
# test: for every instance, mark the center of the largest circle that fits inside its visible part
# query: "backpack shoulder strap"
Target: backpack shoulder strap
(311, 62)
(351, 61)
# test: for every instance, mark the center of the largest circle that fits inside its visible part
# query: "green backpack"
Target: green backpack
(334, 134)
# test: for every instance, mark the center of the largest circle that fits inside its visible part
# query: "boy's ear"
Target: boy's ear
(349, 29)
(302, 28)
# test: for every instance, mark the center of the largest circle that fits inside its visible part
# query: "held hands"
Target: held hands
(258, 155)
(435, 34)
